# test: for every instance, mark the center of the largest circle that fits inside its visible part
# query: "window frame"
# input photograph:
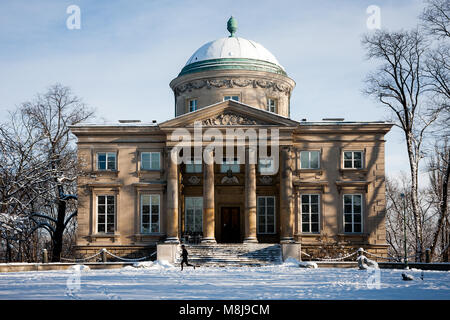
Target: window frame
(225, 162)
(189, 104)
(150, 152)
(353, 159)
(97, 223)
(194, 208)
(269, 171)
(309, 159)
(107, 154)
(265, 215)
(310, 214)
(195, 163)
(231, 97)
(353, 213)
(141, 213)
(275, 105)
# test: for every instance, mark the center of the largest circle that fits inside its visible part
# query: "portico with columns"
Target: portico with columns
(239, 188)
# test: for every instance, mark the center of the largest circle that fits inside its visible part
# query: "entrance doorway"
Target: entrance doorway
(231, 226)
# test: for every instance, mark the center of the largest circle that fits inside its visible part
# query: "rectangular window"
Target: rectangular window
(150, 161)
(106, 214)
(193, 214)
(150, 209)
(353, 159)
(266, 215)
(266, 166)
(192, 105)
(194, 166)
(106, 161)
(272, 105)
(309, 159)
(352, 213)
(229, 164)
(235, 98)
(310, 209)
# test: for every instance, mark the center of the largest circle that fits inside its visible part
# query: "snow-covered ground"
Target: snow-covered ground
(163, 281)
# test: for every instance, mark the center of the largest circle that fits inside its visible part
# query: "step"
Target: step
(233, 254)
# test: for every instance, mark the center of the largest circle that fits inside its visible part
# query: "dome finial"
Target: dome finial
(232, 26)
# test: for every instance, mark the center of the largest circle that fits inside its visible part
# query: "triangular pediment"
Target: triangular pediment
(229, 113)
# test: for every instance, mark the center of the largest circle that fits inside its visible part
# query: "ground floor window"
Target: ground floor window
(310, 210)
(106, 209)
(266, 215)
(150, 209)
(193, 214)
(352, 213)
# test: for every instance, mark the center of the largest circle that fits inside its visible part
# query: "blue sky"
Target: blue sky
(125, 54)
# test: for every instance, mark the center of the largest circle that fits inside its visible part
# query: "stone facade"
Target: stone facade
(222, 191)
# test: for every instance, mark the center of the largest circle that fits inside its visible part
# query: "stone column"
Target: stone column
(286, 197)
(208, 199)
(172, 200)
(250, 197)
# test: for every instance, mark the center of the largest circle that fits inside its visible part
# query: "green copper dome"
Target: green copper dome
(232, 53)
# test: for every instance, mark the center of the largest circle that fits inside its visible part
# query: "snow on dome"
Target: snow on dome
(233, 47)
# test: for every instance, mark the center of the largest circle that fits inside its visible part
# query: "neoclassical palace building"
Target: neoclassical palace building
(319, 183)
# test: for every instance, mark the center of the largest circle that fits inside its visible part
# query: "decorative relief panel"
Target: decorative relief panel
(194, 180)
(231, 83)
(230, 119)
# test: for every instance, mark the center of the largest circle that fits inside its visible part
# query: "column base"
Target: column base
(172, 240)
(208, 240)
(287, 240)
(251, 240)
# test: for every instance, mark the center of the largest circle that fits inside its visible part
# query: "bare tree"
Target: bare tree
(436, 18)
(399, 214)
(41, 135)
(436, 23)
(20, 176)
(439, 171)
(400, 84)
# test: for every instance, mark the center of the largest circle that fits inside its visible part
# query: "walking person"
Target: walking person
(184, 255)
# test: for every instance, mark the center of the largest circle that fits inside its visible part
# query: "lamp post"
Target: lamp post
(402, 195)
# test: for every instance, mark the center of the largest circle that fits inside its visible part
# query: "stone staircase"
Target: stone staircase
(233, 254)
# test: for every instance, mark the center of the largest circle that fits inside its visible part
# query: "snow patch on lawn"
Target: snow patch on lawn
(154, 265)
(292, 262)
(79, 268)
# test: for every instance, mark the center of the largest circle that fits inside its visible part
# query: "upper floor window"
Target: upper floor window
(352, 213)
(230, 164)
(106, 209)
(150, 161)
(192, 105)
(271, 105)
(235, 98)
(353, 159)
(106, 161)
(309, 159)
(194, 166)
